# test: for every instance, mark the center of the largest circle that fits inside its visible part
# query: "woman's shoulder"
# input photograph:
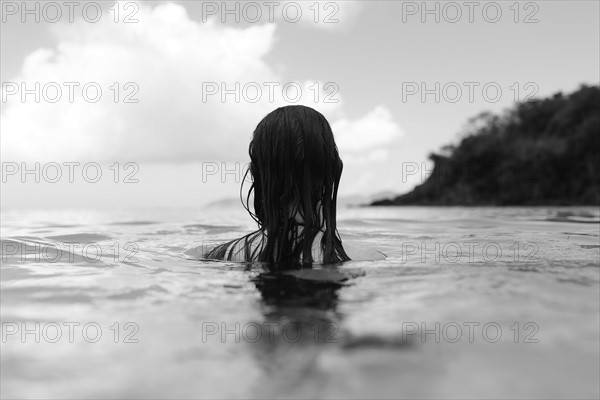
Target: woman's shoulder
(358, 251)
(355, 249)
(236, 250)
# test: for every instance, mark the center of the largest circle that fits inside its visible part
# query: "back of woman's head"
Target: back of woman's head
(295, 169)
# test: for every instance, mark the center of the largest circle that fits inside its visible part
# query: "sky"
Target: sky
(142, 104)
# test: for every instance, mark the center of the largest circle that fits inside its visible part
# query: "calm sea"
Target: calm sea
(471, 302)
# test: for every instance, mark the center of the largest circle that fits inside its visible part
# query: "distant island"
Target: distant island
(540, 152)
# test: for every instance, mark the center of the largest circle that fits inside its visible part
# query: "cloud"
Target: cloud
(167, 56)
(317, 14)
(167, 62)
(325, 14)
(366, 139)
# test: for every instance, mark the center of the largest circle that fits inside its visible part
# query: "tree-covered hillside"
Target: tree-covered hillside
(541, 152)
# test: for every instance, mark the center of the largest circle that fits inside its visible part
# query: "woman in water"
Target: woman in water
(295, 169)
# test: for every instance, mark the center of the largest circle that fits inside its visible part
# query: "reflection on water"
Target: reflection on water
(471, 302)
(299, 316)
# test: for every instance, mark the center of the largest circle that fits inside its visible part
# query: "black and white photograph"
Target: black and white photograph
(310, 199)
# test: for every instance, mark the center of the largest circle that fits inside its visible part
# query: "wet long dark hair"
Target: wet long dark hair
(295, 171)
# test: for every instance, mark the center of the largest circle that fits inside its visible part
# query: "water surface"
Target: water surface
(471, 302)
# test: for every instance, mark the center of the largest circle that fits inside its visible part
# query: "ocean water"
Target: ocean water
(470, 303)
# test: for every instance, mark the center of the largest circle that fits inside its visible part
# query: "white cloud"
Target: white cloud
(317, 14)
(168, 56)
(326, 14)
(374, 131)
